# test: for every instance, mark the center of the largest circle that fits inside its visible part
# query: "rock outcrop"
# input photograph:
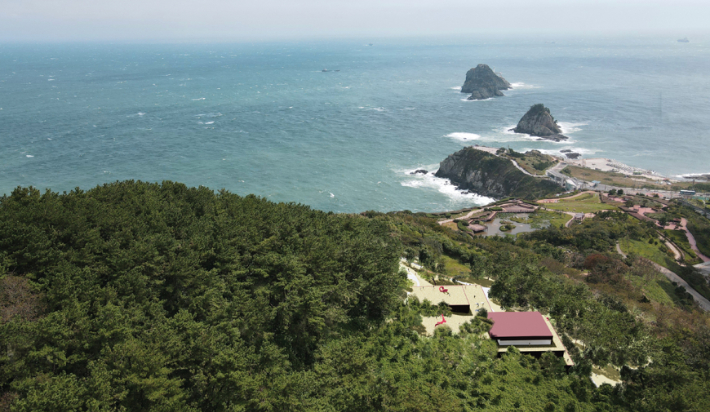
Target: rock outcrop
(539, 122)
(490, 175)
(483, 83)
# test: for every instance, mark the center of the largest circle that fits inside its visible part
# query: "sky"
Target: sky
(254, 20)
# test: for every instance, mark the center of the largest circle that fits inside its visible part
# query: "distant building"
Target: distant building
(579, 216)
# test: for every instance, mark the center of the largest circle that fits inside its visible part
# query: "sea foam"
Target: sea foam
(521, 85)
(464, 137)
(430, 182)
(568, 128)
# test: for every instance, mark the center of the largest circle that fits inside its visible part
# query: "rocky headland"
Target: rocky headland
(490, 175)
(483, 83)
(539, 122)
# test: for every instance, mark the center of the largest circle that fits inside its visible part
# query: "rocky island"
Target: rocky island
(539, 122)
(483, 83)
(490, 175)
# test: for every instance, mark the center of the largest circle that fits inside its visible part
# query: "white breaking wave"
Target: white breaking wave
(692, 175)
(524, 136)
(479, 100)
(379, 109)
(141, 114)
(29, 155)
(464, 137)
(429, 181)
(455, 88)
(556, 152)
(521, 85)
(212, 122)
(201, 98)
(568, 128)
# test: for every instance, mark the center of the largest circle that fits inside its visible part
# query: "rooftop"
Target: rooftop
(518, 324)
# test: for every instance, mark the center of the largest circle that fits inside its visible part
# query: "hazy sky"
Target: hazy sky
(242, 20)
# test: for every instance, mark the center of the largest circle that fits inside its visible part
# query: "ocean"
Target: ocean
(266, 119)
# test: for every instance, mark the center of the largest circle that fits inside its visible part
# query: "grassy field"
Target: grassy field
(645, 249)
(453, 267)
(658, 290)
(542, 218)
(581, 198)
(588, 203)
(533, 158)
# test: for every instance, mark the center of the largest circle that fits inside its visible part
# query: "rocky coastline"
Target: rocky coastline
(484, 173)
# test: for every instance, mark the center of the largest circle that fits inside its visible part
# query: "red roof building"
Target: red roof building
(519, 329)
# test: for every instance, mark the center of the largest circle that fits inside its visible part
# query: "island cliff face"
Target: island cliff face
(483, 83)
(539, 122)
(493, 176)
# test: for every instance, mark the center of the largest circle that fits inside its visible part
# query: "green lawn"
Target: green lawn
(588, 203)
(555, 219)
(453, 267)
(581, 207)
(645, 249)
(658, 290)
(582, 198)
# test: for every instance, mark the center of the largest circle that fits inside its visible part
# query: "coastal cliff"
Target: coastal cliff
(483, 83)
(539, 122)
(490, 175)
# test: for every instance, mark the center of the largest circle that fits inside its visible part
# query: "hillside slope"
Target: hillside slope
(490, 175)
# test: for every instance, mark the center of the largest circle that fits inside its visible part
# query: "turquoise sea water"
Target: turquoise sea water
(265, 119)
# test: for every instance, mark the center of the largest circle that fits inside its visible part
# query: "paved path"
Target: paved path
(523, 170)
(618, 249)
(676, 253)
(704, 268)
(691, 239)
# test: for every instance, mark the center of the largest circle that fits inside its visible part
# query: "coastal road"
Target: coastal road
(704, 303)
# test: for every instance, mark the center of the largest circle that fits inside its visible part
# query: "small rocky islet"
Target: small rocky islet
(483, 83)
(539, 122)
